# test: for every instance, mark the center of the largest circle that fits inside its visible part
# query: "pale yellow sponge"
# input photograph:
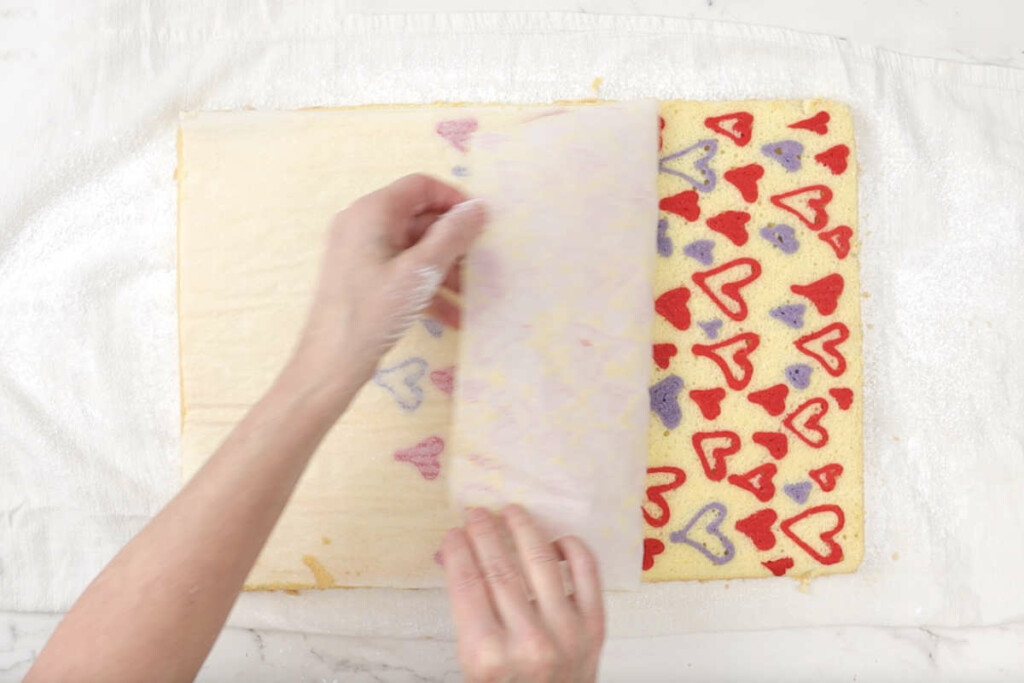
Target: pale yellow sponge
(755, 461)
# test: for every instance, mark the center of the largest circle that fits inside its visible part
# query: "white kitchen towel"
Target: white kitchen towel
(89, 100)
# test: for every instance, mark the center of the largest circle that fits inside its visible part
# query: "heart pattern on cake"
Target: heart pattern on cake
(744, 179)
(661, 480)
(809, 204)
(724, 285)
(425, 456)
(737, 126)
(823, 346)
(802, 530)
(693, 164)
(703, 532)
(732, 356)
(712, 448)
(458, 132)
(402, 382)
(805, 422)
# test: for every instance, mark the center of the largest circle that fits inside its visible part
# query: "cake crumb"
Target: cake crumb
(596, 84)
(322, 577)
(895, 556)
(325, 540)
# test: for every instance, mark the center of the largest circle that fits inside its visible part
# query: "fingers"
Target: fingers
(500, 571)
(541, 563)
(417, 194)
(471, 601)
(450, 237)
(586, 582)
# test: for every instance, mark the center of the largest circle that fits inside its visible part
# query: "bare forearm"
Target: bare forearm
(155, 611)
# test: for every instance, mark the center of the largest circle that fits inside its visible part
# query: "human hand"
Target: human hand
(514, 619)
(387, 255)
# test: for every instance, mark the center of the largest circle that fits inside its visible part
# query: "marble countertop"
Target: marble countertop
(980, 32)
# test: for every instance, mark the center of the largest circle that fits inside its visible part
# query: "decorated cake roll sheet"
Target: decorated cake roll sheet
(755, 448)
(750, 401)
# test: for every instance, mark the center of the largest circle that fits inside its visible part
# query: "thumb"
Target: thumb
(450, 236)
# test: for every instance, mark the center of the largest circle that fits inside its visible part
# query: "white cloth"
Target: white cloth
(88, 364)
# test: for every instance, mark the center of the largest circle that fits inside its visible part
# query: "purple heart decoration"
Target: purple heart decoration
(799, 492)
(433, 327)
(700, 250)
(698, 173)
(460, 171)
(665, 401)
(711, 327)
(664, 241)
(791, 314)
(799, 375)
(786, 152)
(782, 237)
(402, 382)
(710, 518)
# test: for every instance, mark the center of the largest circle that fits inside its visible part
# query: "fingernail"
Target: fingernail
(512, 510)
(477, 514)
(468, 206)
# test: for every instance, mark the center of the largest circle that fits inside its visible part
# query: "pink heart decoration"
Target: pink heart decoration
(425, 456)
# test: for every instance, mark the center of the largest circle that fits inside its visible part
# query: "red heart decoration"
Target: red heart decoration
(758, 481)
(424, 456)
(816, 204)
(827, 475)
(780, 566)
(816, 124)
(823, 346)
(444, 379)
(656, 494)
(723, 284)
(716, 470)
(708, 401)
(652, 548)
(745, 180)
(457, 132)
(823, 293)
(741, 346)
(672, 307)
(834, 158)
(739, 128)
(835, 551)
(805, 422)
(839, 239)
(758, 527)
(663, 353)
(684, 204)
(732, 224)
(776, 443)
(772, 399)
(843, 397)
